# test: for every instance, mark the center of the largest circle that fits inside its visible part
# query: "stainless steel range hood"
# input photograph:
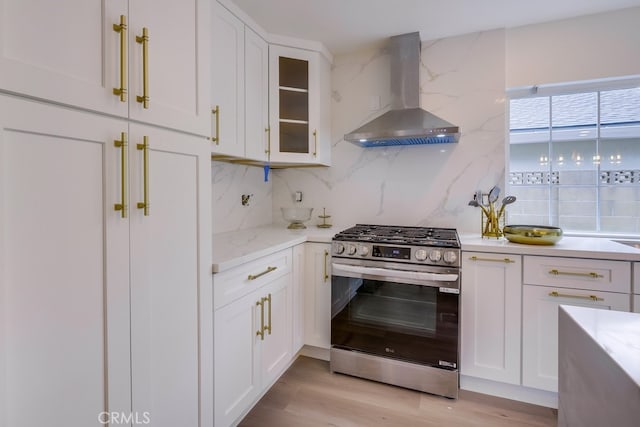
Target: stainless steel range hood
(406, 123)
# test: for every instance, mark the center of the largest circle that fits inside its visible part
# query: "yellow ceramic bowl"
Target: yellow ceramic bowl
(533, 234)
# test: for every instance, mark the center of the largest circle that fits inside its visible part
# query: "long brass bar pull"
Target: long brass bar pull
(570, 273)
(505, 260)
(268, 299)
(124, 147)
(144, 41)
(267, 151)
(122, 29)
(255, 276)
(589, 297)
(326, 273)
(145, 170)
(260, 333)
(216, 112)
(315, 142)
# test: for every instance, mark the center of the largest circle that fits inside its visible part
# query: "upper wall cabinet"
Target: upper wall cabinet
(299, 106)
(141, 59)
(239, 88)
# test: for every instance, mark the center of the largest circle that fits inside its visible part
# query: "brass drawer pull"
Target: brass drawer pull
(268, 299)
(326, 273)
(590, 297)
(260, 333)
(144, 41)
(216, 112)
(255, 276)
(144, 147)
(124, 154)
(505, 260)
(122, 30)
(569, 273)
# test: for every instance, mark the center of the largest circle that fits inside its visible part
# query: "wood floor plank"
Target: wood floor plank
(309, 395)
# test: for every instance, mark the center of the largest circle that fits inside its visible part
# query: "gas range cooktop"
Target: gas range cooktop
(414, 236)
(411, 245)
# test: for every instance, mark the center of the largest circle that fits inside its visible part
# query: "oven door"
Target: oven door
(405, 312)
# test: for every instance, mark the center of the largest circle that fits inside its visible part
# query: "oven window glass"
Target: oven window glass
(406, 308)
(402, 321)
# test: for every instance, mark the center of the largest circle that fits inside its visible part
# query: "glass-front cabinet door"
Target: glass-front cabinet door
(297, 129)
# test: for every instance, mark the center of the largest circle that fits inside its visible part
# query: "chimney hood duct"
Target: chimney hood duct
(406, 123)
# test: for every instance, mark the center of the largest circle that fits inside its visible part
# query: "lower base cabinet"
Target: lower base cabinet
(252, 345)
(317, 295)
(540, 328)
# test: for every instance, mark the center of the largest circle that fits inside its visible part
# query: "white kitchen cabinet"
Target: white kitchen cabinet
(297, 295)
(253, 334)
(227, 58)
(257, 132)
(298, 106)
(570, 282)
(490, 316)
(61, 179)
(239, 88)
(63, 268)
(69, 52)
(317, 295)
(171, 296)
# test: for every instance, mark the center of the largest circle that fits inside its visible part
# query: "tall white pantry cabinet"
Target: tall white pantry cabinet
(105, 286)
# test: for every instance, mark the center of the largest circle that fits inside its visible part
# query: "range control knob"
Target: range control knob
(450, 257)
(351, 250)
(338, 248)
(435, 255)
(421, 255)
(363, 250)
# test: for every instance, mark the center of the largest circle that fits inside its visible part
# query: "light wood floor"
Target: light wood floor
(308, 395)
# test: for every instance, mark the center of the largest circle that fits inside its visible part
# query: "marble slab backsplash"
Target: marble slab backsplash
(229, 183)
(462, 81)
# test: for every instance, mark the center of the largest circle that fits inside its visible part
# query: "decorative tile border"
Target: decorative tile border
(533, 178)
(620, 177)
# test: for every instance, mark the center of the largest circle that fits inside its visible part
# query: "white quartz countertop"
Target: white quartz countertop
(234, 248)
(576, 247)
(616, 332)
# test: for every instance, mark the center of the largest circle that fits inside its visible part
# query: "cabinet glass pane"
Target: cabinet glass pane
(294, 105)
(294, 73)
(294, 137)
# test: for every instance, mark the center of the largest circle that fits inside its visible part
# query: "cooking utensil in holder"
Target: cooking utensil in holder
(492, 225)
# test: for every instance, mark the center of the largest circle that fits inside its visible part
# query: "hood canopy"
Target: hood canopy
(406, 123)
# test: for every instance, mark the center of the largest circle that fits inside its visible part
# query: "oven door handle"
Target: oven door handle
(390, 273)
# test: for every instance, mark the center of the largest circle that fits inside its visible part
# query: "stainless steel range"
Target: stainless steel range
(395, 306)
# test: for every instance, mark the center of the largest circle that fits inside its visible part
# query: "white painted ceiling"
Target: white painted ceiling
(347, 25)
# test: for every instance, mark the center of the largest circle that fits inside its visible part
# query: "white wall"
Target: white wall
(463, 81)
(585, 48)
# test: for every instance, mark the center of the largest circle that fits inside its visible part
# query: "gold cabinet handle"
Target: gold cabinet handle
(268, 299)
(123, 144)
(122, 29)
(326, 257)
(268, 149)
(260, 333)
(315, 142)
(216, 112)
(145, 165)
(255, 276)
(505, 260)
(570, 273)
(589, 297)
(144, 41)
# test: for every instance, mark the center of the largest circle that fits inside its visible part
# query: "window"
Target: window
(574, 157)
